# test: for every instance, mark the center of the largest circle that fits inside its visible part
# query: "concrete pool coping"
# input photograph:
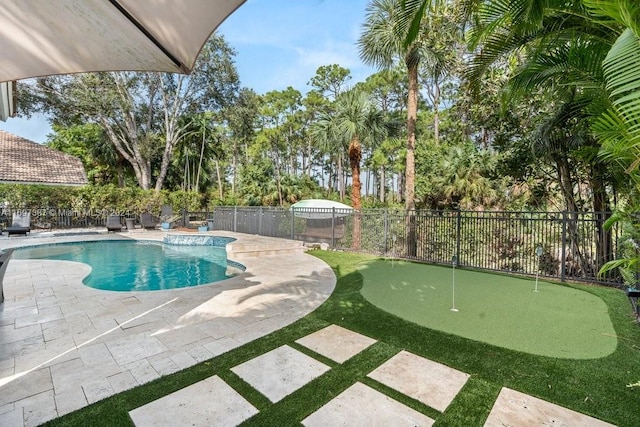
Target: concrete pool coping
(64, 346)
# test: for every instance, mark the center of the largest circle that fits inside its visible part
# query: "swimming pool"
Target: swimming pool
(130, 265)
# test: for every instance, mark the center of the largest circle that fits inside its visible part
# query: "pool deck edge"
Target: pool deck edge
(65, 346)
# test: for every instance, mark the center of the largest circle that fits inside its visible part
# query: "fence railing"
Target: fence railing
(59, 218)
(573, 245)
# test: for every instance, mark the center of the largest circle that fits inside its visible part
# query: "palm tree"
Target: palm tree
(382, 43)
(354, 119)
(463, 180)
(324, 133)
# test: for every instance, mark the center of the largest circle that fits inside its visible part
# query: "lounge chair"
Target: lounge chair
(21, 224)
(114, 223)
(166, 211)
(167, 217)
(147, 222)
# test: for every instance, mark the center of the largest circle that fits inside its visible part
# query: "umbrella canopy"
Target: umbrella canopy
(320, 209)
(40, 38)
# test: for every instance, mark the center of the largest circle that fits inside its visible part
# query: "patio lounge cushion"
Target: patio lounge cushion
(114, 223)
(21, 223)
(147, 221)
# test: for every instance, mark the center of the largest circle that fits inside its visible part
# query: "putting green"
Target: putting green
(557, 321)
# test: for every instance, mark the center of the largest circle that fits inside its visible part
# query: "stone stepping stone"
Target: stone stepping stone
(426, 381)
(360, 405)
(206, 403)
(336, 343)
(280, 372)
(518, 409)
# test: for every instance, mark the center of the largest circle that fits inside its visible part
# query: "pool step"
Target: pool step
(258, 247)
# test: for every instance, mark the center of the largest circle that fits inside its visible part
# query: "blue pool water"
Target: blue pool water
(125, 265)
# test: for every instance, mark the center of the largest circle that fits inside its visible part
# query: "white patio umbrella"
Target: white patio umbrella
(320, 209)
(42, 38)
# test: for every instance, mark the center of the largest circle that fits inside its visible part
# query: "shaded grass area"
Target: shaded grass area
(596, 387)
(503, 310)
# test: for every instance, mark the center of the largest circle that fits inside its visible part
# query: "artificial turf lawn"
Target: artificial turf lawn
(556, 321)
(596, 387)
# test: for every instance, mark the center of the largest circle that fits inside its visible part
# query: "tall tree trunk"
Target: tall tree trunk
(197, 186)
(309, 156)
(278, 178)
(368, 182)
(340, 178)
(382, 180)
(434, 92)
(234, 167)
(185, 174)
(126, 143)
(410, 170)
(219, 176)
(234, 173)
(436, 111)
(355, 155)
(579, 264)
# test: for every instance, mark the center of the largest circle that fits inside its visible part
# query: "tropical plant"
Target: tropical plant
(627, 261)
(382, 45)
(355, 119)
(619, 127)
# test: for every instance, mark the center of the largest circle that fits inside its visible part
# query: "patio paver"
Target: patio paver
(280, 372)
(210, 402)
(336, 343)
(360, 405)
(427, 381)
(513, 408)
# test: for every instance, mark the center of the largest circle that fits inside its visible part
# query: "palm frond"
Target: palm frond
(614, 13)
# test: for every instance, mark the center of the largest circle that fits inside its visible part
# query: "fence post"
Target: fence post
(260, 215)
(293, 223)
(458, 226)
(563, 262)
(385, 237)
(235, 219)
(333, 227)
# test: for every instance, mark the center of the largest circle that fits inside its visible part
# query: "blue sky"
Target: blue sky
(279, 43)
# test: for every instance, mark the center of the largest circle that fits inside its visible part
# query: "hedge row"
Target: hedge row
(98, 198)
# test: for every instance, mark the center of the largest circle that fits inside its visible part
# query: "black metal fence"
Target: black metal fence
(560, 245)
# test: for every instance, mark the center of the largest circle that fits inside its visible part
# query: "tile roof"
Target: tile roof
(27, 162)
